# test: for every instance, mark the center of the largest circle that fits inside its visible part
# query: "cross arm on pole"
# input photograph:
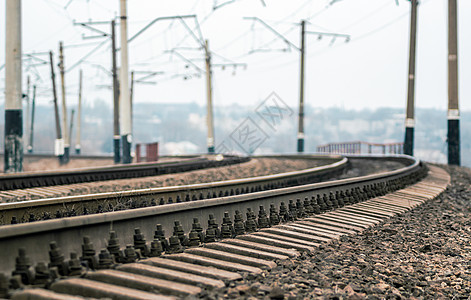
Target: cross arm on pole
(186, 60)
(231, 64)
(86, 56)
(106, 71)
(146, 82)
(89, 27)
(274, 31)
(334, 35)
(155, 21)
(147, 75)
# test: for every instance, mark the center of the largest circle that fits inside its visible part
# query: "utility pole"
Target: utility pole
(13, 154)
(31, 130)
(64, 104)
(28, 100)
(410, 119)
(301, 93)
(79, 116)
(301, 49)
(454, 156)
(209, 105)
(125, 104)
(121, 94)
(71, 122)
(59, 143)
(131, 96)
(116, 136)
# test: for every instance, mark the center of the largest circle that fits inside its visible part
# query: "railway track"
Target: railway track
(34, 210)
(249, 245)
(202, 175)
(61, 177)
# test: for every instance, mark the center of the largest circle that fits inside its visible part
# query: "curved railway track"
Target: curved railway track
(231, 171)
(290, 220)
(33, 210)
(60, 177)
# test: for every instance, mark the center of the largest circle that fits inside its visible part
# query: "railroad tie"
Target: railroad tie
(213, 265)
(37, 293)
(210, 272)
(89, 288)
(262, 246)
(267, 241)
(171, 275)
(144, 283)
(212, 262)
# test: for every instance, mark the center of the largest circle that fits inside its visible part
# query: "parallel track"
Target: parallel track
(66, 231)
(178, 275)
(52, 178)
(114, 201)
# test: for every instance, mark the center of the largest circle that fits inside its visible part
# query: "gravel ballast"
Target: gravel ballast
(254, 167)
(422, 254)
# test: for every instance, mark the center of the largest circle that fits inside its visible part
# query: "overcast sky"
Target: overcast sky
(368, 72)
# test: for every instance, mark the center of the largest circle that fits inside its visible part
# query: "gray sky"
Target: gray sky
(368, 72)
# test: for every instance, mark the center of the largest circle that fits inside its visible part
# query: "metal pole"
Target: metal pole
(64, 104)
(209, 105)
(454, 157)
(116, 136)
(125, 104)
(410, 121)
(28, 106)
(31, 131)
(13, 90)
(131, 96)
(301, 94)
(79, 116)
(59, 142)
(71, 122)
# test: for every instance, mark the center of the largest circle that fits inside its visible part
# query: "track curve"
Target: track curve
(24, 211)
(59, 177)
(67, 231)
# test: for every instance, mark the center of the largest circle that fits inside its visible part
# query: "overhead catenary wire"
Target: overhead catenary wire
(294, 12)
(367, 16)
(382, 27)
(181, 18)
(186, 60)
(87, 55)
(96, 54)
(230, 43)
(354, 39)
(197, 34)
(275, 32)
(261, 48)
(275, 39)
(198, 25)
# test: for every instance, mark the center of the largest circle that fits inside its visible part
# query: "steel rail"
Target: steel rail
(68, 232)
(90, 156)
(51, 178)
(166, 195)
(50, 155)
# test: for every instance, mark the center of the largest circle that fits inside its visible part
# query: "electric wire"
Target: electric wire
(367, 16)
